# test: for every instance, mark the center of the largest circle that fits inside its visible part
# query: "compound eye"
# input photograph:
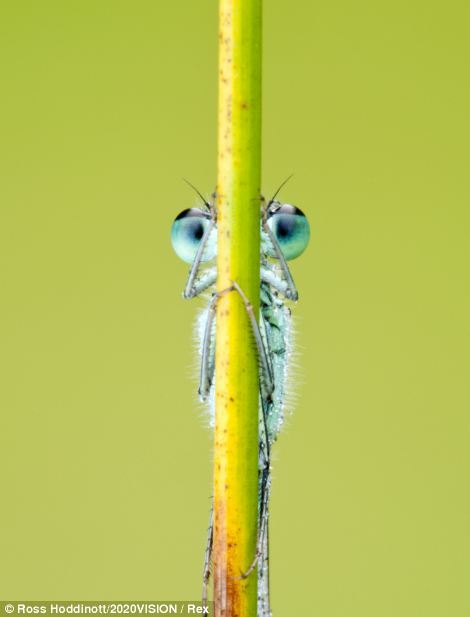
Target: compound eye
(187, 232)
(291, 229)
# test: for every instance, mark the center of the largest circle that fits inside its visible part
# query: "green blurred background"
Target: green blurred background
(105, 462)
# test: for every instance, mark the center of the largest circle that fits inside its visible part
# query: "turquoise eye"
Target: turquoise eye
(291, 229)
(187, 232)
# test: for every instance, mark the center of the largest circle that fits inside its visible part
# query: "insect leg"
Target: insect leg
(291, 290)
(207, 370)
(264, 609)
(206, 281)
(264, 490)
(189, 290)
(205, 379)
(266, 382)
(265, 483)
(207, 557)
(267, 349)
(270, 277)
(266, 390)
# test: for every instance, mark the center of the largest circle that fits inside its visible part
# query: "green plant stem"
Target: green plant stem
(238, 207)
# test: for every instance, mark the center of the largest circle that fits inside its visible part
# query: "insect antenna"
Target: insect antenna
(280, 187)
(206, 203)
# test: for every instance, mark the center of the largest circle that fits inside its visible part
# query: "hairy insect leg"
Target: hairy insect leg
(264, 491)
(266, 381)
(264, 608)
(207, 369)
(261, 558)
(274, 280)
(267, 352)
(266, 390)
(206, 574)
(204, 282)
(263, 523)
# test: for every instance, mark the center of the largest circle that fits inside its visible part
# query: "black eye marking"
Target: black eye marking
(285, 227)
(198, 231)
(284, 209)
(194, 222)
(193, 212)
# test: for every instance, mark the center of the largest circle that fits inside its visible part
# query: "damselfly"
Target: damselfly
(285, 233)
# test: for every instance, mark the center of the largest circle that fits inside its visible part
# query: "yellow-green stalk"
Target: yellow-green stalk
(238, 210)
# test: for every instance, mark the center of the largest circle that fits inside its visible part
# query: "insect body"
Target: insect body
(285, 234)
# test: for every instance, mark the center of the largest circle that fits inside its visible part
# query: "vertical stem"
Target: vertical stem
(238, 206)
